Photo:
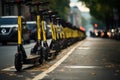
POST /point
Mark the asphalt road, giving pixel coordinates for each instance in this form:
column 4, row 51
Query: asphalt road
column 90, row 59
column 7, row 53
column 95, row 59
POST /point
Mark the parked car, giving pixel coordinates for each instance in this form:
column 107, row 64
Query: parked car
column 33, row 29
column 9, row 30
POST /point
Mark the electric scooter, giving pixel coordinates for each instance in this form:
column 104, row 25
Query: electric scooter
column 35, row 55
column 54, row 46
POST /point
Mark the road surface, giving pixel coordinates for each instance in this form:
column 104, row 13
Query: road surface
column 90, row 59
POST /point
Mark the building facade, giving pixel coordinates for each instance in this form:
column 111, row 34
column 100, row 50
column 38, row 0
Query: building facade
column 0, row 7
column 8, row 9
column 75, row 16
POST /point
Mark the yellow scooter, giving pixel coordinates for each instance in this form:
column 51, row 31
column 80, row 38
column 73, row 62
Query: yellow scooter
column 54, row 46
column 45, row 48
column 35, row 55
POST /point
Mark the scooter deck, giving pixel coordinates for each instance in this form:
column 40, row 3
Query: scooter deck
column 52, row 51
column 33, row 57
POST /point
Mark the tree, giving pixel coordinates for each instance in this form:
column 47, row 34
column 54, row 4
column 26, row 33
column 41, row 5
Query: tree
column 60, row 6
column 104, row 10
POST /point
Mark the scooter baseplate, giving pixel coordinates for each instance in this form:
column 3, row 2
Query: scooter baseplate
column 33, row 57
column 52, row 51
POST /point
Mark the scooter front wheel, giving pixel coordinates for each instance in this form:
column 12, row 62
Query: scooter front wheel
column 46, row 51
column 41, row 56
column 18, row 62
column 41, row 59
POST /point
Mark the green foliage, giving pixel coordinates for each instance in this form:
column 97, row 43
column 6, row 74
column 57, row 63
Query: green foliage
column 98, row 22
column 101, row 9
column 60, row 6
column 107, row 11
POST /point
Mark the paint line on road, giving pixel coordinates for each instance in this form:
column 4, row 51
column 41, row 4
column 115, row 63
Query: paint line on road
column 43, row 74
column 83, row 47
column 83, row 67
column 12, row 68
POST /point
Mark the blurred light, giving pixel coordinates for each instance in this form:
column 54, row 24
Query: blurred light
column 102, row 33
column 112, row 30
column 96, row 32
column 95, row 25
column 109, row 34
column 82, row 28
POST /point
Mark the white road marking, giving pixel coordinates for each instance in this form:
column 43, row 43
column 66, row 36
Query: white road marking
column 82, row 67
column 43, row 74
column 9, row 69
column 12, row 68
column 84, row 47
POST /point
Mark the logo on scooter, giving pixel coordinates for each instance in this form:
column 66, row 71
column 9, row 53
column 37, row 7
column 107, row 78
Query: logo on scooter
column 3, row 31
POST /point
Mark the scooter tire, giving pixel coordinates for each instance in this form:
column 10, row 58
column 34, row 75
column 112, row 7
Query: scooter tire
column 41, row 60
column 18, row 62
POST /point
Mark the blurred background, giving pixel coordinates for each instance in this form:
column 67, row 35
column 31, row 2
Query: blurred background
column 93, row 15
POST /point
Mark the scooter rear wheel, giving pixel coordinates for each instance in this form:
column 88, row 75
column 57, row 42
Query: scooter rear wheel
column 41, row 56
column 41, row 60
column 18, row 62
column 46, row 51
